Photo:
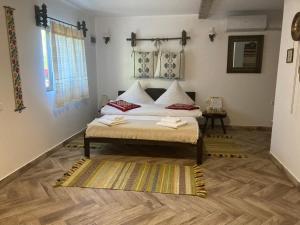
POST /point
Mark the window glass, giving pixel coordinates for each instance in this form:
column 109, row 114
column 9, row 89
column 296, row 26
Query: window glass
column 46, row 60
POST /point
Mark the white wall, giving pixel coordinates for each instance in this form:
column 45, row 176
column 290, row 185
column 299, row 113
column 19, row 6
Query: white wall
column 24, row 136
column 285, row 144
column 248, row 97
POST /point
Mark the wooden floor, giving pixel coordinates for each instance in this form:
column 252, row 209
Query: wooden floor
column 240, row 191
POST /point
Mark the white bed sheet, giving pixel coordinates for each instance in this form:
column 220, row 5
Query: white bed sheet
column 151, row 110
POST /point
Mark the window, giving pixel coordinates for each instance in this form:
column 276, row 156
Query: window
column 48, row 74
column 68, row 60
column 64, row 59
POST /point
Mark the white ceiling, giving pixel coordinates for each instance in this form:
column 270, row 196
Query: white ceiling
column 172, row 7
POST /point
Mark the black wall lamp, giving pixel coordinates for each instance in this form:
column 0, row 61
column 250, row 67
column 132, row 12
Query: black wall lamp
column 106, row 36
column 106, row 39
column 212, row 34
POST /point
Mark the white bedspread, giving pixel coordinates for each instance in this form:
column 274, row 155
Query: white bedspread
column 145, row 128
column 151, row 110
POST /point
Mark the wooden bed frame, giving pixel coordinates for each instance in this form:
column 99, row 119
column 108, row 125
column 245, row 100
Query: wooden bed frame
column 154, row 93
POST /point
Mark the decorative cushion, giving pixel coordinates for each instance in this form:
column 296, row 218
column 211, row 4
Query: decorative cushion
column 214, row 105
column 123, row 105
column 170, row 65
column 174, row 95
column 143, row 64
column 182, row 107
column 136, row 94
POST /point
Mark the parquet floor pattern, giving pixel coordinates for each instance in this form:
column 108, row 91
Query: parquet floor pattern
column 240, row 191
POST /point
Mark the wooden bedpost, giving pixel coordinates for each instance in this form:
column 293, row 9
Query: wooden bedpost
column 199, row 146
column 199, row 150
column 86, row 147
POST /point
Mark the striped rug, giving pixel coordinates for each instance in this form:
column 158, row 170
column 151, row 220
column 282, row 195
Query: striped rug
column 132, row 176
column 223, row 146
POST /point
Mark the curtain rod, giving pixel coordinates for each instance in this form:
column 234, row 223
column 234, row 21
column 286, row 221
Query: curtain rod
column 41, row 19
column 183, row 39
column 8, row 7
column 60, row 21
column 158, row 39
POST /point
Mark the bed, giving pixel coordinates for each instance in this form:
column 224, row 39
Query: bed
column 141, row 128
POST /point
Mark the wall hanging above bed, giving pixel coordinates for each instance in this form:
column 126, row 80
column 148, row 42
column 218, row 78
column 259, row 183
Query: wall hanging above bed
column 170, row 65
column 159, row 64
column 144, row 64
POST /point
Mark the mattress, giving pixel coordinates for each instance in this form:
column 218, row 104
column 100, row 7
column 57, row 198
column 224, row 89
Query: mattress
column 145, row 128
column 151, row 110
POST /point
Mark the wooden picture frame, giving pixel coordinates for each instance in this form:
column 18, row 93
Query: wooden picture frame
column 290, row 55
column 255, row 57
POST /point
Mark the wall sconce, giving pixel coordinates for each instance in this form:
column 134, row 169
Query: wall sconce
column 106, row 39
column 212, row 34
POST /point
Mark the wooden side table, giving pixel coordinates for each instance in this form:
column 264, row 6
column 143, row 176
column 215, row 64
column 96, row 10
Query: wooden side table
column 213, row 116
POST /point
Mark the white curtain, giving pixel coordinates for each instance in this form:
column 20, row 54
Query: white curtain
column 69, row 64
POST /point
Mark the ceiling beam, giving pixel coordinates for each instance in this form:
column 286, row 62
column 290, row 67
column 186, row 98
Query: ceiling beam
column 205, row 7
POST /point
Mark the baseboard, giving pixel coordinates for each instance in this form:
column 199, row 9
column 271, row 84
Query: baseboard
column 9, row 178
column 290, row 176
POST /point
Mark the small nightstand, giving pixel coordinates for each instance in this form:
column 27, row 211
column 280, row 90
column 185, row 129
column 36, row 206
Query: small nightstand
column 214, row 115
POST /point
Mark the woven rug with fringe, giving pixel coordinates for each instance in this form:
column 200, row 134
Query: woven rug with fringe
column 134, row 176
column 223, row 146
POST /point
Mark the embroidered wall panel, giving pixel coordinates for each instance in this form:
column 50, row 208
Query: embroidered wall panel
column 170, row 65
column 143, row 64
column 14, row 60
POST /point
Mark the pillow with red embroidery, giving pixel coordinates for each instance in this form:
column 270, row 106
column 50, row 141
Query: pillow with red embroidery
column 123, row 105
column 182, row 107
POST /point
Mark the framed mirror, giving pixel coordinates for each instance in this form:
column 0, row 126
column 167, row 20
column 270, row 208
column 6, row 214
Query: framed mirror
column 245, row 54
column 295, row 30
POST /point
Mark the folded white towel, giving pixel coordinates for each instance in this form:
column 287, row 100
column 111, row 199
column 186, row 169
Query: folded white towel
column 172, row 125
column 110, row 122
column 170, row 119
column 113, row 117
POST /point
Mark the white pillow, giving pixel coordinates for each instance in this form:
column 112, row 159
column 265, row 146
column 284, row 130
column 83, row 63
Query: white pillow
column 136, row 94
column 174, row 95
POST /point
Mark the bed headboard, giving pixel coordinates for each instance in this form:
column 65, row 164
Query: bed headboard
column 155, row 93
